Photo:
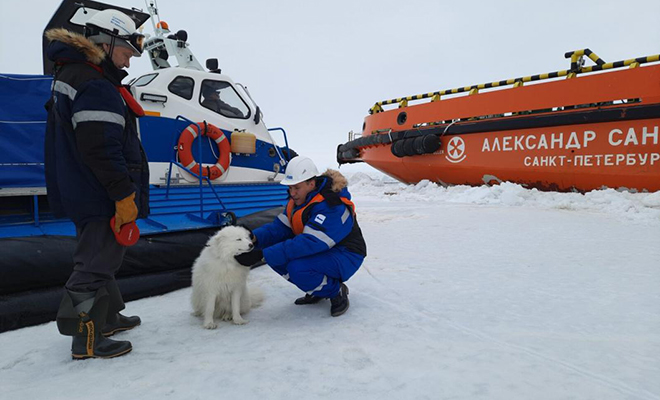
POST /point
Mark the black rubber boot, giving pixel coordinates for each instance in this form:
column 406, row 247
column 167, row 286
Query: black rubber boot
column 83, row 316
column 118, row 323
column 339, row 303
column 307, row 299
column 115, row 321
column 95, row 345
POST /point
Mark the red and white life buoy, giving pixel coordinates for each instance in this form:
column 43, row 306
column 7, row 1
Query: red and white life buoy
column 186, row 158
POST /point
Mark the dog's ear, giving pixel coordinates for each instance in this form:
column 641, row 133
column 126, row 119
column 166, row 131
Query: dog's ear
column 247, row 229
column 222, row 228
column 244, row 227
column 251, row 235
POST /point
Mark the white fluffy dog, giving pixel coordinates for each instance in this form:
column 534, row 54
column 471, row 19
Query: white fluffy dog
column 219, row 282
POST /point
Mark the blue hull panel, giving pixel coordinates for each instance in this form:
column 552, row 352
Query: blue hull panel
column 178, row 210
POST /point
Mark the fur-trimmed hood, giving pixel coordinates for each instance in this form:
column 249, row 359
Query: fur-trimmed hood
column 339, row 181
column 81, row 44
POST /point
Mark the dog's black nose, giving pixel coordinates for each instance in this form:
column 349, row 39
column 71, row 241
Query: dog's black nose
column 251, row 246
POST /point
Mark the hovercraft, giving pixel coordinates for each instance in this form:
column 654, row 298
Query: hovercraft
column 211, row 163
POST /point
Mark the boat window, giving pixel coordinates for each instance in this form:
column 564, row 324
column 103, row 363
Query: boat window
column 182, row 86
column 222, row 98
column 144, row 80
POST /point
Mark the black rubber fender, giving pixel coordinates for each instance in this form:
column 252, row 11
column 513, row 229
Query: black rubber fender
column 397, row 148
column 430, row 143
column 409, row 147
column 418, row 145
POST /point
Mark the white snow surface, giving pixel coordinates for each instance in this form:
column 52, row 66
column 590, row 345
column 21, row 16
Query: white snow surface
column 467, row 293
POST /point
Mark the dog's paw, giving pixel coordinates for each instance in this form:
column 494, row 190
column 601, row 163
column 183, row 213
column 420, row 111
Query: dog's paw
column 240, row 321
column 196, row 313
column 210, row 325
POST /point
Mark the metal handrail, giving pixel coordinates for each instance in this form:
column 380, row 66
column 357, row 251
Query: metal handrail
column 286, row 142
column 200, row 175
column 576, row 68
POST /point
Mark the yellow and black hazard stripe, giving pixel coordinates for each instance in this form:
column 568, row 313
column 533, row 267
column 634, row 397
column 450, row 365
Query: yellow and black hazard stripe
column 576, row 55
column 575, row 69
column 623, row 63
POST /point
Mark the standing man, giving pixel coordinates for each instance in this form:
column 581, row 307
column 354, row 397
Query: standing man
column 316, row 244
column 95, row 169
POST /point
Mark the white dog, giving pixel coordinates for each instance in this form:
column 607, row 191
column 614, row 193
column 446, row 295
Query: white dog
column 219, row 282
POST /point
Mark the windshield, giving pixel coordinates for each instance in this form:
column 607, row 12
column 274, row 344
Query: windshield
column 221, row 97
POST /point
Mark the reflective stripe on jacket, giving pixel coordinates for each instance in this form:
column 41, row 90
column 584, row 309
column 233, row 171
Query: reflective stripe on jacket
column 326, row 220
column 93, row 155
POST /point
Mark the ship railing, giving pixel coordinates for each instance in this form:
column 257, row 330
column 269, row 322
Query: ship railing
column 577, row 67
column 200, row 176
column 286, row 143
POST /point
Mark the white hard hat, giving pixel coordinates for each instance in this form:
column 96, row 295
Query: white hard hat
column 109, row 23
column 298, row 170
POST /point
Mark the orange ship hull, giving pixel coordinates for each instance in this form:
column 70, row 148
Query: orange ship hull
column 585, row 133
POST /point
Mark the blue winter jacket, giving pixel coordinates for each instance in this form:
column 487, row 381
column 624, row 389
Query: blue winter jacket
column 327, row 225
column 93, row 156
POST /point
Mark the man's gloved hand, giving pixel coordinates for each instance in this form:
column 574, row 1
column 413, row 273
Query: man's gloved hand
column 250, row 258
column 125, row 211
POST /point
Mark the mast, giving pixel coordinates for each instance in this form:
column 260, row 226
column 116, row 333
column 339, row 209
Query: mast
column 165, row 44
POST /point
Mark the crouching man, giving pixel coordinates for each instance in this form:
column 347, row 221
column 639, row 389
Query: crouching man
column 316, row 244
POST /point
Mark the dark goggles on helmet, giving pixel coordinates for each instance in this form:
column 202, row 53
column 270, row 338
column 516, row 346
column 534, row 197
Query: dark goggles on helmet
column 136, row 40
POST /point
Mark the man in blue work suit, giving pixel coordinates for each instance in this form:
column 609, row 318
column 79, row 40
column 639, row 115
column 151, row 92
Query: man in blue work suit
column 316, row 243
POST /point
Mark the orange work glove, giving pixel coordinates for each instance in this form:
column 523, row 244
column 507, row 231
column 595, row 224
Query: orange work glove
column 125, row 211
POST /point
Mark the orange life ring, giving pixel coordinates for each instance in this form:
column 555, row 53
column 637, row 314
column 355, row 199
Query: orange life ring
column 186, row 158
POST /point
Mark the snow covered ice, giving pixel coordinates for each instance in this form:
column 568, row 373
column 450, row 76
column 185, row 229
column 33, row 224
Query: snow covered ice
column 467, row 293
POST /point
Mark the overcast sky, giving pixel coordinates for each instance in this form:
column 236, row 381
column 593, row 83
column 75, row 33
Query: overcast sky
column 315, row 68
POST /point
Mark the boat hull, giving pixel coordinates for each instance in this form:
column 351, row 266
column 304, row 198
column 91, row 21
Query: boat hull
column 35, row 269
column 571, row 157
column 579, row 134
